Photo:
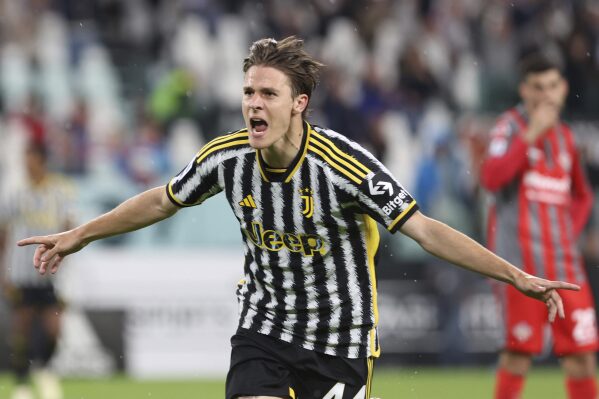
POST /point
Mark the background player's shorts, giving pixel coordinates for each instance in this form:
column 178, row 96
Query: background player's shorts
column 34, row 296
column 263, row 365
column 525, row 319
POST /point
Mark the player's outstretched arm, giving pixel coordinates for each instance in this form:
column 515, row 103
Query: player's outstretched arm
column 137, row 212
column 451, row 245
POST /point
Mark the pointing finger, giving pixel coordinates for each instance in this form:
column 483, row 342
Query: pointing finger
column 35, row 240
column 561, row 285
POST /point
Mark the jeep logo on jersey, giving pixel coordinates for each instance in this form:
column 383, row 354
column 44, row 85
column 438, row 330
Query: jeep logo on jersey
column 380, row 187
column 273, row 240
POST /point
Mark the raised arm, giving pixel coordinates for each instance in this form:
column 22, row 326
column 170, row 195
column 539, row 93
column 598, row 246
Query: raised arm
column 449, row 244
column 507, row 157
column 137, row 212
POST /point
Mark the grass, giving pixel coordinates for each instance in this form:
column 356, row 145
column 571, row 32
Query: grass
column 389, row 383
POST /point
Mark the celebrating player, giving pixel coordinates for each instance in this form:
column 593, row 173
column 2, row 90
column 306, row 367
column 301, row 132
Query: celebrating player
column 307, row 200
column 542, row 202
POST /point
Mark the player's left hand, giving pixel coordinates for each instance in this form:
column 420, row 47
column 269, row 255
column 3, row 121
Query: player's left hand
column 546, row 291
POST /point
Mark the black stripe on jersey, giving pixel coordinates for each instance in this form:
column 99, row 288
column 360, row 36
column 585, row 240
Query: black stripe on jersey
column 221, row 143
column 361, row 169
column 342, row 278
column 301, row 297
column 325, row 310
column 295, row 258
column 266, row 258
column 361, row 269
column 229, row 176
column 253, row 255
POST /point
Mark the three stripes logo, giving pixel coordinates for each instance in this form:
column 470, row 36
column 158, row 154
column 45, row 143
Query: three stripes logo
column 248, row 201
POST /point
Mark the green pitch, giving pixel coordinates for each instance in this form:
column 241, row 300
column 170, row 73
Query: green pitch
column 401, row 383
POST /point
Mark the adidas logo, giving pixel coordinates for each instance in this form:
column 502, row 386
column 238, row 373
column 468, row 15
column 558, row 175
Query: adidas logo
column 248, row 201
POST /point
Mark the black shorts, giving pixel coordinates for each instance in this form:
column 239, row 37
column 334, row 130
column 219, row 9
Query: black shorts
column 34, row 296
column 265, row 366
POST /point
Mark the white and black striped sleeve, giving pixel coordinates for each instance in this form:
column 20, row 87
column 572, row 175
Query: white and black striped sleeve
column 200, row 179
column 196, row 183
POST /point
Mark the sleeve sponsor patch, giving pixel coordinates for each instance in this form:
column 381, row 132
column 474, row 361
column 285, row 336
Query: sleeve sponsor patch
column 390, row 198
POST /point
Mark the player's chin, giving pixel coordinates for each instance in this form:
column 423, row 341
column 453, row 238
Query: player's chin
column 259, row 142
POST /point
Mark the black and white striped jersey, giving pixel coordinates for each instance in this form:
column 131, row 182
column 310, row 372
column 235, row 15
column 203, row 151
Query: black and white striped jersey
column 309, row 233
column 33, row 210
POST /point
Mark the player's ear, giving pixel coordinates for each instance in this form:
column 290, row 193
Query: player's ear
column 300, row 103
column 522, row 90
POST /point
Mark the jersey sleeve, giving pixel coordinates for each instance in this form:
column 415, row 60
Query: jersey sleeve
column 196, row 183
column 385, row 199
column 506, row 156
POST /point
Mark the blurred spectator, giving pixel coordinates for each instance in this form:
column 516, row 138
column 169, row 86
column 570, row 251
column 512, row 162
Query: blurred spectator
column 70, row 142
column 41, row 204
column 417, row 85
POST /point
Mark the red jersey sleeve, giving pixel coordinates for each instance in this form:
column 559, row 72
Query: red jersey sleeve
column 506, row 156
column 582, row 197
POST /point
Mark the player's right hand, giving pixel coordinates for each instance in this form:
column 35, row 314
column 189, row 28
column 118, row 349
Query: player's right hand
column 545, row 291
column 541, row 119
column 52, row 249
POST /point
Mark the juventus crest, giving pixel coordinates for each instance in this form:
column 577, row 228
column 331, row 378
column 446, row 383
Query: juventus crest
column 308, row 202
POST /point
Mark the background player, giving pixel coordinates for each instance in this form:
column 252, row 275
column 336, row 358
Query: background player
column 542, row 202
column 307, row 200
column 40, row 205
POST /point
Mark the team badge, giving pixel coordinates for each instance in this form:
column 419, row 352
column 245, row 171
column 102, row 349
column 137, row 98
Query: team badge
column 522, row 331
column 308, row 202
column 565, row 161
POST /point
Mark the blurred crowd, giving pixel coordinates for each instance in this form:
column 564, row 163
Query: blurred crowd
column 125, row 92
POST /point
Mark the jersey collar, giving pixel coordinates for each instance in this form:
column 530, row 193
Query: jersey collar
column 285, row 175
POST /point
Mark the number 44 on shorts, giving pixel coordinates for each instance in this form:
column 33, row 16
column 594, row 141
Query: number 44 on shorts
column 337, row 392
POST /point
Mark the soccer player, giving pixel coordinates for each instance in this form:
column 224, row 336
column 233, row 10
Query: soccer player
column 542, row 202
column 40, row 206
column 307, row 200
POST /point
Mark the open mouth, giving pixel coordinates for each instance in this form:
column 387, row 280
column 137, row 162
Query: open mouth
column 258, row 125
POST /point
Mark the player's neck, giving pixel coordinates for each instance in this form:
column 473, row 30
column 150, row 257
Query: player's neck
column 282, row 153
